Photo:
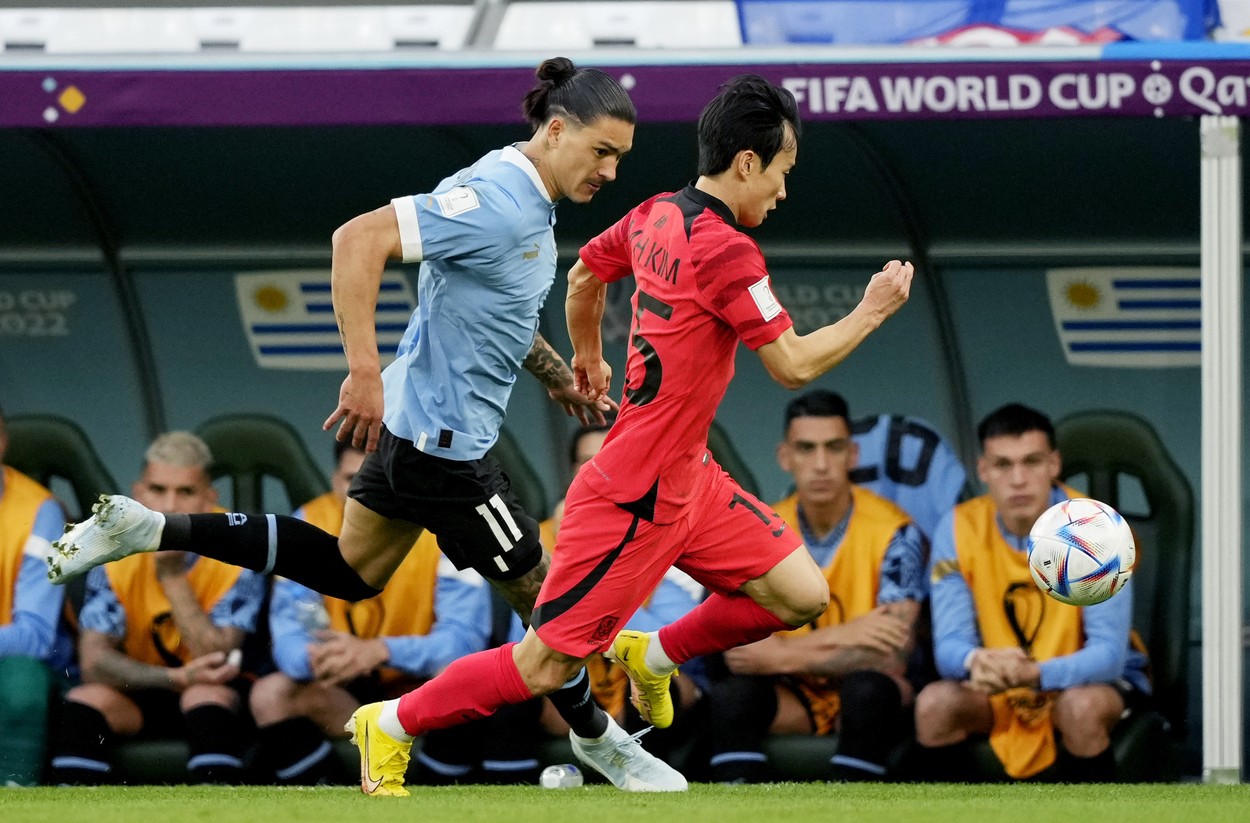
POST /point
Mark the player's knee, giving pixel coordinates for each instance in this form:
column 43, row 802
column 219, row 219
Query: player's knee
column 1086, row 712
column 935, row 710
column 556, row 673
column 203, row 694
column 271, row 697
column 804, row 603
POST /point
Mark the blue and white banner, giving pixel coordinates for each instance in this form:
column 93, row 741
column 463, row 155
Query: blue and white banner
column 1127, row 317
column 288, row 317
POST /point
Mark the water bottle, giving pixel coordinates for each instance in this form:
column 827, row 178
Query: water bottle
column 563, row 776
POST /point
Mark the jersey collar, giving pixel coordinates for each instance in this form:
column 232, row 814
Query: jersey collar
column 708, row 201
column 513, row 155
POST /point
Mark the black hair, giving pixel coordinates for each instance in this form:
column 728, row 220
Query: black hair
column 340, row 448
column 582, row 431
column 1013, row 420
column 583, row 95
column 749, row 113
column 818, row 403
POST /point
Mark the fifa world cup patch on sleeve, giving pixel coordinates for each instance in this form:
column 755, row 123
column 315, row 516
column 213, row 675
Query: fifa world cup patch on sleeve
column 765, row 301
column 457, row 201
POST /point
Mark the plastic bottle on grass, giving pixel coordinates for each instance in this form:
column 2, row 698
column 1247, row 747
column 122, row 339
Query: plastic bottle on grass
column 563, row 776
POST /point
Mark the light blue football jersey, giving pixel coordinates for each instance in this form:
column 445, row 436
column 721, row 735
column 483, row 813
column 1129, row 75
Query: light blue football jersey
column 906, row 460
column 488, row 257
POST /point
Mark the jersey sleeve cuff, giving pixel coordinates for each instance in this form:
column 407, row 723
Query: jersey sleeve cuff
column 409, row 228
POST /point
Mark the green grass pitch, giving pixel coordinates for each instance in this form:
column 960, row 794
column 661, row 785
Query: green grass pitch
column 771, row 803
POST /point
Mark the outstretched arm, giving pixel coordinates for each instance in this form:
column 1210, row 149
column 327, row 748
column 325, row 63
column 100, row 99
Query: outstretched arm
column 362, row 246
column 794, row 360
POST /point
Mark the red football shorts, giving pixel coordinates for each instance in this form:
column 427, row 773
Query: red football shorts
column 607, row 561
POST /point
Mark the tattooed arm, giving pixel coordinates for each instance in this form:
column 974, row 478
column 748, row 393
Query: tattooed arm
column 549, row 367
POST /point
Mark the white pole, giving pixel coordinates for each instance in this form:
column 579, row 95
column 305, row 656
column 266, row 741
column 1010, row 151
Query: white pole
column 1221, row 450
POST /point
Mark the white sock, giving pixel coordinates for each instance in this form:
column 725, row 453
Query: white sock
column 655, row 658
column 388, row 721
column 155, row 542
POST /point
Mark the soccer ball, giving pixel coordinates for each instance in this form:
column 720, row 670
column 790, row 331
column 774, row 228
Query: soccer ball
column 1081, row 551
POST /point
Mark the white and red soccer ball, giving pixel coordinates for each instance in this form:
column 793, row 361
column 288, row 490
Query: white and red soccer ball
column 1081, row 551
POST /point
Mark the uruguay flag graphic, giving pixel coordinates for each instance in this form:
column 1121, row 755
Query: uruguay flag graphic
column 288, row 317
column 1127, row 317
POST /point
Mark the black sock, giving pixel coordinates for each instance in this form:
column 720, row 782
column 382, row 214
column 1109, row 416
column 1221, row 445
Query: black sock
column 1097, row 769
column 740, row 710
column 273, row 543
column 943, row 764
column 294, row 752
column 870, row 725
column 215, row 738
column 578, row 707
column 509, row 753
column 82, row 751
column 447, row 756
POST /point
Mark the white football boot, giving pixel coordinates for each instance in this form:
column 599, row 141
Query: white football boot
column 620, row 758
column 118, row 527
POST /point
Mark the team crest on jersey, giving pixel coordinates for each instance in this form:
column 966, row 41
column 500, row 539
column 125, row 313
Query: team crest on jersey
column 457, row 201
column 765, row 301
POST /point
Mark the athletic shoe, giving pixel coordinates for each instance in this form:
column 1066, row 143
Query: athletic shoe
column 118, row 527
column 620, row 758
column 651, row 690
column 383, row 759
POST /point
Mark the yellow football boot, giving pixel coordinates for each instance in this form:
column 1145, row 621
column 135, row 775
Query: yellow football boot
column 651, row 690
column 383, row 759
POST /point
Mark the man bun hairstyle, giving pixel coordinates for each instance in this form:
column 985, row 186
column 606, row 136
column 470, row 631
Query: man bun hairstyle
column 582, row 95
column 749, row 113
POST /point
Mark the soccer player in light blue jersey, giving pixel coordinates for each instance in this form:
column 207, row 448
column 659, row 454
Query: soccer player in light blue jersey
column 485, row 240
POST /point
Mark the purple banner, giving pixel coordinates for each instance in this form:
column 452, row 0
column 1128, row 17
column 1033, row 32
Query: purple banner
column 427, row 96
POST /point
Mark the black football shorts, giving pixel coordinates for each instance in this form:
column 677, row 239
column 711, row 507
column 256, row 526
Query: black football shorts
column 468, row 504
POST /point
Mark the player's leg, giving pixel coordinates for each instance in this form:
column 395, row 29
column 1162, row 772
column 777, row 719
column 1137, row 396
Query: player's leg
column 947, row 714
column 741, row 709
column 216, row 733
column 1084, row 717
column 743, row 552
column 91, row 719
column 293, row 723
column 481, row 525
column 470, row 688
column 594, row 584
column 355, row 567
column 870, row 724
column 24, row 701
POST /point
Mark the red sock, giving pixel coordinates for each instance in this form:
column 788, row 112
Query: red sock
column 718, row 623
column 470, row 688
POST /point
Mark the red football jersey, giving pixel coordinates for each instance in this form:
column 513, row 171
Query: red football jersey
column 701, row 286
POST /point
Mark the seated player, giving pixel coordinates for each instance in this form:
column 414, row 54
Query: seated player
column 846, row 671
column 1046, row 682
column 160, row 640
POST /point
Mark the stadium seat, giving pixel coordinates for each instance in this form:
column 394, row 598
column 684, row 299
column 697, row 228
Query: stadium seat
column 247, row 448
column 1112, row 450
column 48, row 447
column 595, row 24
column 723, row 450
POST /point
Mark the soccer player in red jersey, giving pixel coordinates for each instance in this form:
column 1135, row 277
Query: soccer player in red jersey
column 653, row 497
